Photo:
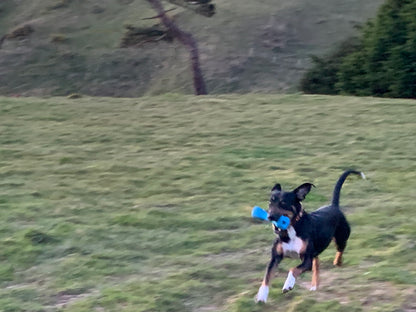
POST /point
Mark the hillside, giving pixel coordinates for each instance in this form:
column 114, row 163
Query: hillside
column 144, row 204
column 74, row 46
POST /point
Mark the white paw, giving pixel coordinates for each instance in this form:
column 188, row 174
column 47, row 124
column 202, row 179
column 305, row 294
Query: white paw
column 262, row 294
column 313, row 288
column 290, row 282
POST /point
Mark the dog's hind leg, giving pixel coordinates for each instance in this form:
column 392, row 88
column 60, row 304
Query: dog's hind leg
column 315, row 274
column 342, row 233
column 338, row 258
column 276, row 257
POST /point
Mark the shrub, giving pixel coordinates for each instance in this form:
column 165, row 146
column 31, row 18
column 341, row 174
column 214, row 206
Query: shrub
column 381, row 63
column 322, row 77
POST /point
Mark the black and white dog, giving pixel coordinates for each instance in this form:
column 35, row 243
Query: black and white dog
column 307, row 235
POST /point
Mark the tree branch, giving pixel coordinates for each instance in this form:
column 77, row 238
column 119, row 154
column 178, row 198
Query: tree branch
column 202, row 7
column 158, row 16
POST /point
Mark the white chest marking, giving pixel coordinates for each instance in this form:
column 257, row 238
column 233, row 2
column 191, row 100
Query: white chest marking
column 292, row 248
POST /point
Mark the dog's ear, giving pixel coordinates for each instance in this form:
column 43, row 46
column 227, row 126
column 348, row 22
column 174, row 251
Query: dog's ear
column 276, row 188
column 303, row 190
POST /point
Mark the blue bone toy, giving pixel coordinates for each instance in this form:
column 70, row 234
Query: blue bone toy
column 262, row 214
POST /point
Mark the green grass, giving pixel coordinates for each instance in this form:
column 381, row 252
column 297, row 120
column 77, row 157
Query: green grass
column 144, row 204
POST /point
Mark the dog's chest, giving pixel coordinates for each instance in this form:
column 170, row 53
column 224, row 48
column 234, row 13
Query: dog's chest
column 295, row 246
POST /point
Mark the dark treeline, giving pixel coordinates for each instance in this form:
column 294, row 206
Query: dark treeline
column 381, row 61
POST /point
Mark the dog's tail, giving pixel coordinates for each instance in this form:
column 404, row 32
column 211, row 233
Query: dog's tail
column 341, row 180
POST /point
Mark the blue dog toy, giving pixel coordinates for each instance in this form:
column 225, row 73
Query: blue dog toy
column 259, row 213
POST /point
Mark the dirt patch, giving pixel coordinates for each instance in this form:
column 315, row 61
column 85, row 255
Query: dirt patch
column 64, row 299
column 373, row 293
column 207, row 309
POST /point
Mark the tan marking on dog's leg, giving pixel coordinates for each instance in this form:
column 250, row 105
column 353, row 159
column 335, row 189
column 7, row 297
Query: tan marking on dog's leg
column 338, row 258
column 263, row 291
column 270, row 271
column 296, row 272
column 279, row 249
column 315, row 274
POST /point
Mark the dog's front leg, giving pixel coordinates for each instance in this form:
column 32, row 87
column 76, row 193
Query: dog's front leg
column 276, row 257
column 306, row 265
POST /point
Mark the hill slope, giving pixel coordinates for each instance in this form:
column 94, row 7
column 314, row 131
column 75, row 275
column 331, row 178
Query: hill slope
column 246, row 46
column 144, row 204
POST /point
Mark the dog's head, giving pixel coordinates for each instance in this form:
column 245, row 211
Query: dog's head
column 287, row 203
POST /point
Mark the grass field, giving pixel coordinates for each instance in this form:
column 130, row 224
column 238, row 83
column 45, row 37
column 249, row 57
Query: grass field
column 144, row 204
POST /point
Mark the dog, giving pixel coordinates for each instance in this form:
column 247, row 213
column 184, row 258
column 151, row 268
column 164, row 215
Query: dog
column 307, row 235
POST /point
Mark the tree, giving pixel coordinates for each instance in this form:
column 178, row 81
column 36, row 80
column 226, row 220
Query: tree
column 322, row 77
column 383, row 62
column 186, row 38
column 202, row 7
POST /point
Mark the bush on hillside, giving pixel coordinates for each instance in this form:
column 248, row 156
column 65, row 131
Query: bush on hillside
column 322, row 77
column 381, row 63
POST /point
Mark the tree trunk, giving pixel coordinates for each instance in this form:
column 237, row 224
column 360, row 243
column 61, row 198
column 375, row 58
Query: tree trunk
column 187, row 40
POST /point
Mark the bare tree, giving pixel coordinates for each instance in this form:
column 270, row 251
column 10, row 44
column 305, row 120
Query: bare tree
column 185, row 38
column 202, row 7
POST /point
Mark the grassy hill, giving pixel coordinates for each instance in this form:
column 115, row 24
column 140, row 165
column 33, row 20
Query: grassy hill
column 144, row 204
column 259, row 46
